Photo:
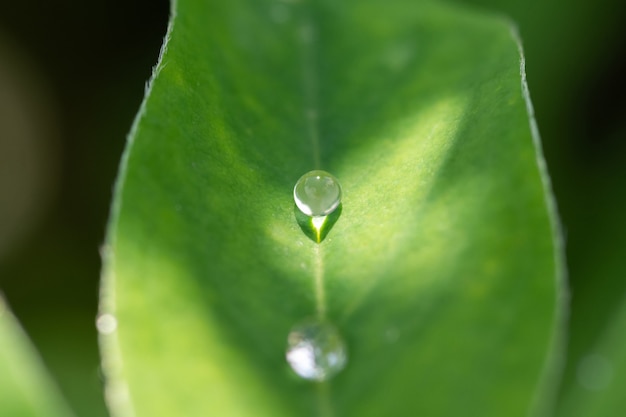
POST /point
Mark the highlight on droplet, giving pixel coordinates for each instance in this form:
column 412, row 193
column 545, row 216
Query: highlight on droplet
column 318, row 222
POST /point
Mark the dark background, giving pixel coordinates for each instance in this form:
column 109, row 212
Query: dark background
column 72, row 76
column 81, row 66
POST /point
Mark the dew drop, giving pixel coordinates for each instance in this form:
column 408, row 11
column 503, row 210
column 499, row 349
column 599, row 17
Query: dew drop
column 315, row 350
column 317, row 193
column 106, row 323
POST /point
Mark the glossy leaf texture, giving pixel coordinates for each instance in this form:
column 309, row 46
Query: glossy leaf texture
column 26, row 390
column 442, row 271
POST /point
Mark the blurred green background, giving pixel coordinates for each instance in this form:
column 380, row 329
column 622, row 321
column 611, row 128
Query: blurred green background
column 72, row 76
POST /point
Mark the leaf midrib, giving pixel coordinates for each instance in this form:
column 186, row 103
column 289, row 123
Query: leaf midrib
column 308, row 37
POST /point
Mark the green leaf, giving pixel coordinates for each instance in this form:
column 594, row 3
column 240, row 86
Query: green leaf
column 442, row 270
column 25, row 388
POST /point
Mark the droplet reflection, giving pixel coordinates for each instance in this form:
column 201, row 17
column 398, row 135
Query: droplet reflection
column 318, row 222
column 315, row 350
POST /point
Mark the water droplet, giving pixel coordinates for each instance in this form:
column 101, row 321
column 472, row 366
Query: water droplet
column 317, row 193
column 106, row 323
column 315, row 350
column 105, row 251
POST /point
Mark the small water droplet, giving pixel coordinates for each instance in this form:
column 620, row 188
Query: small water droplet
column 315, row 350
column 106, row 323
column 105, row 251
column 317, row 193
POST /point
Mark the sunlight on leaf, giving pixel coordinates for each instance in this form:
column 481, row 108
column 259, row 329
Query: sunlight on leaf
column 442, row 272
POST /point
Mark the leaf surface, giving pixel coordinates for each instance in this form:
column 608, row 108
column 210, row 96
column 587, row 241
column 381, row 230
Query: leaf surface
column 442, row 270
column 25, row 388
